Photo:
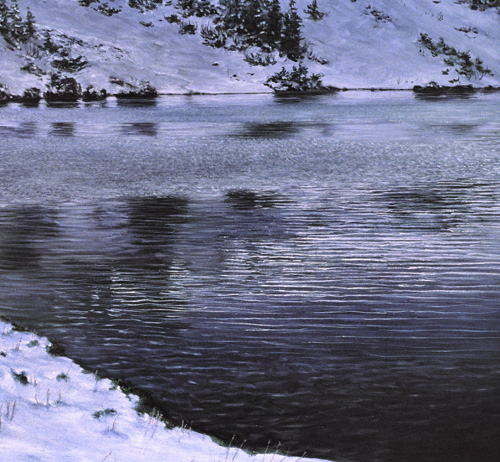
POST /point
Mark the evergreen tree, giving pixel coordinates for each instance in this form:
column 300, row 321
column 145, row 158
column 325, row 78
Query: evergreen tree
column 253, row 20
column 484, row 4
column 291, row 40
column 313, row 12
column 15, row 21
column 49, row 44
column 297, row 80
column 186, row 5
column 274, row 23
column 233, row 18
column 4, row 13
column 29, row 25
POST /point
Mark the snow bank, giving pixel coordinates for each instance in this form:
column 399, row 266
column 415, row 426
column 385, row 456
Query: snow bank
column 52, row 410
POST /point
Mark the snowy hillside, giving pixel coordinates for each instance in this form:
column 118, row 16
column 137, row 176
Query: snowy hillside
column 357, row 44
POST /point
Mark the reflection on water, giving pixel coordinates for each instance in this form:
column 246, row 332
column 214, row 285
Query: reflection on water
column 296, row 98
column 24, row 129
column 437, row 207
column 456, row 129
column 62, row 104
column 280, row 129
column 63, row 129
column 445, row 97
column 30, row 104
column 102, row 104
column 243, row 200
column 336, row 294
column 342, row 116
column 140, row 128
column 136, row 102
column 23, row 233
column 462, row 129
column 152, row 223
column 271, row 129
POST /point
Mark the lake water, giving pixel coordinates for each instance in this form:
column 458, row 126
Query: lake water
column 321, row 273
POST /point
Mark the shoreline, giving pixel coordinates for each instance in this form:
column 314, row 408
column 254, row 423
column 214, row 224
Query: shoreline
column 52, row 409
column 418, row 91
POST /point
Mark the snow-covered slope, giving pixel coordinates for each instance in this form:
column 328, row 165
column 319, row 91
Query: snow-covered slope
column 120, row 46
column 366, row 52
column 365, row 43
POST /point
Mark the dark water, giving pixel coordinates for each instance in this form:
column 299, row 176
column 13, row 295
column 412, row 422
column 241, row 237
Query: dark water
column 321, row 273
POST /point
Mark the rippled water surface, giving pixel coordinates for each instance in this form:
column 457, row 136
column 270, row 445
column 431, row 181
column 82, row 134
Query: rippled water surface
column 321, row 273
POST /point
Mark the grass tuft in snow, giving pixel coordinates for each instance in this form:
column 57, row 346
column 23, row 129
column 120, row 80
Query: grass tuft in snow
column 9, row 412
column 62, row 377
column 103, row 413
column 33, row 343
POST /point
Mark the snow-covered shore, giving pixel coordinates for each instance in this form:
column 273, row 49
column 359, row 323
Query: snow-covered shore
column 52, row 410
column 358, row 44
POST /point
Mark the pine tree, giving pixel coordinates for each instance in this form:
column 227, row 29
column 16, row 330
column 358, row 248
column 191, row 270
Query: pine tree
column 313, row 12
column 253, row 19
column 233, row 18
column 49, row 45
column 15, row 21
column 291, row 40
column 186, row 5
column 4, row 12
column 29, row 25
column 274, row 23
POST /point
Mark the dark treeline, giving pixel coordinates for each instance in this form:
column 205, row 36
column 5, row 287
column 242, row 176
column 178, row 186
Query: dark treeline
column 262, row 23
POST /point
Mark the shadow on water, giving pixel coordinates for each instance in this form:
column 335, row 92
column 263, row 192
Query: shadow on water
column 62, row 104
column 269, row 130
column 23, row 130
column 300, row 98
column 63, row 129
column 30, row 104
column 136, row 102
column 444, row 97
column 152, row 222
column 24, row 233
column 453, row 129
column 140, row 129
column 247, row 200
column 440, row 207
